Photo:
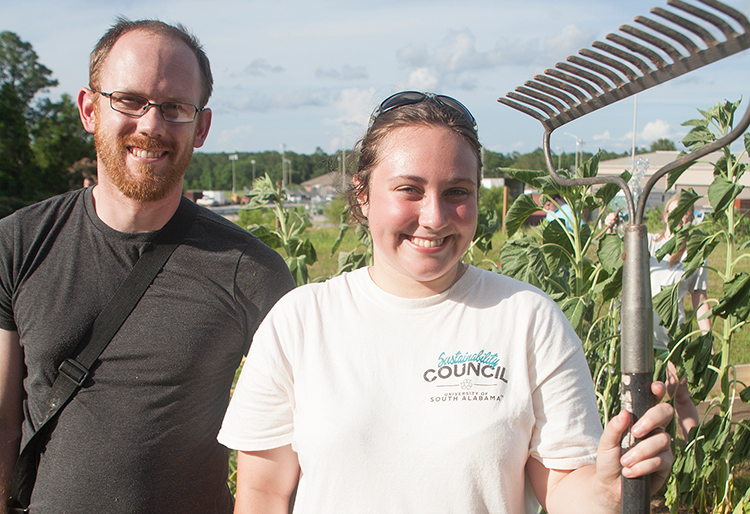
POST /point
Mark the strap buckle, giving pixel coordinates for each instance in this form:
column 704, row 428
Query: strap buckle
column 74, row 371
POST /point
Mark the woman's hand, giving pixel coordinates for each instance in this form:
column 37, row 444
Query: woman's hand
column 652, row 455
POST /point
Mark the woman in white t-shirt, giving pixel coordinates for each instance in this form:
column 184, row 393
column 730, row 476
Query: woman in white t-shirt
column 667, row 272
column 422, row 384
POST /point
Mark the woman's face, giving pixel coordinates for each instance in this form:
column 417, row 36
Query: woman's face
column 422, row 209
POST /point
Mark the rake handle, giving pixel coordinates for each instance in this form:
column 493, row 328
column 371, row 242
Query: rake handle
column 637, row 362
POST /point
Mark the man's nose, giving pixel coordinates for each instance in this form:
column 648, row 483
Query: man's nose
column 152, row 122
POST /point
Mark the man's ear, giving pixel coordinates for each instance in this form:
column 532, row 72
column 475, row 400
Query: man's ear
column 204, row 123
column 86, row 109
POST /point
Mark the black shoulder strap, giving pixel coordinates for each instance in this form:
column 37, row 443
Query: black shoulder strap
column 74, row 370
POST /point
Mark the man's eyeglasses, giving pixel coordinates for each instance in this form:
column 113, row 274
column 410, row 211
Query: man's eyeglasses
column 137, row 106
column 414, row 97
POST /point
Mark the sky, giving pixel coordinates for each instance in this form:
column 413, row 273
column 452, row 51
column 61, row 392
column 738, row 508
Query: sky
column 303, row 74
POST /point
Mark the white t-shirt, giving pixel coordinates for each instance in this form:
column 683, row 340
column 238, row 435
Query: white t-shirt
column 416, row 405
column 662, row 276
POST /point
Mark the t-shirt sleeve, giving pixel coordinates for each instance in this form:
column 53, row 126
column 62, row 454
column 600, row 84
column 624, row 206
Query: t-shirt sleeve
column 567, row 428
column 6, row 275
column 261, row 412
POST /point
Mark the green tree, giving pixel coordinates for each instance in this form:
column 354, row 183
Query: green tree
column 58, row 141
column 15, row 152
column 662, row 144
column 19, row 67
column 39, row 139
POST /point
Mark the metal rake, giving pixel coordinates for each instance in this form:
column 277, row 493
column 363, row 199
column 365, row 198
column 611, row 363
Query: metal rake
column 681, row 39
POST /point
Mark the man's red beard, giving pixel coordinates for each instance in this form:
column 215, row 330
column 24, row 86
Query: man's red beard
column 140, row 182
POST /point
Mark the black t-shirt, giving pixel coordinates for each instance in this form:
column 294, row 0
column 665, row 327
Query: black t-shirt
column 140, row 436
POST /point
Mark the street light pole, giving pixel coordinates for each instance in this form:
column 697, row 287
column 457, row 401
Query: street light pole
column 253, row 163
column 234, row 158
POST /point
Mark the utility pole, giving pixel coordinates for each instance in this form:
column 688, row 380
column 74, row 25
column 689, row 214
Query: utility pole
column 234, row 158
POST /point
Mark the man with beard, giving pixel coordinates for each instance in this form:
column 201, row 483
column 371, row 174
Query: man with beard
column 140, row 435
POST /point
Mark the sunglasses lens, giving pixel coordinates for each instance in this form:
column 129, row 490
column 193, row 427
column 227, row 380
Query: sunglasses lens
column 401, row 99
column 414, row 97
column 455, row 104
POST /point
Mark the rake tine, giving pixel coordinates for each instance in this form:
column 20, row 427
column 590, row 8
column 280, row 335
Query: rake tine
column 522, row 108
column 533, row 93
column 533, row 102
column 626, row 56
column 634, row 60
column 729, row 11
column 686, row 24
column 576, row 81
column 728, row 31
column 638, row 48
column 551, row 91
column 616, row 79
column 585, row 75
column 612, row 63
column 673, row 53
column 562, row 85
column 681, row 38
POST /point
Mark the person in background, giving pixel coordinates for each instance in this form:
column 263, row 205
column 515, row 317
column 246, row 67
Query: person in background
column 667, row 272
column 140, row 435
column 558, row 209
column 420, row 383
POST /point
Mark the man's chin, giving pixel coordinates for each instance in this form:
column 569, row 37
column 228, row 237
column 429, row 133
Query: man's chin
column 149, row 189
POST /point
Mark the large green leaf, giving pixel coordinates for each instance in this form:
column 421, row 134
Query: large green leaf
column 676, row 173
column 698, row 137
column 524, row 261
column 721, row 194
column 685, row 203
column 666, row 304
column 610, row 252
column 557, row 244
column 262, row 232
column 519, row 211
column 699, row 247
column 530, row 177
column 612, row 287
column 578, row 310
column 298, row 268
column 736, row 299
column 608, row 192
column 487, row 224
column 590, row 167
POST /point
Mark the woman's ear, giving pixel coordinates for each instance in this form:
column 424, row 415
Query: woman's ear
column 362, row 199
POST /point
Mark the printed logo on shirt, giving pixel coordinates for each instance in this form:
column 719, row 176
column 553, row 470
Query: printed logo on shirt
column 467, row 377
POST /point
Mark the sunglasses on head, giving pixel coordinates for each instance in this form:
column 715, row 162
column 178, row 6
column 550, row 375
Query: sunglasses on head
column 414, row 97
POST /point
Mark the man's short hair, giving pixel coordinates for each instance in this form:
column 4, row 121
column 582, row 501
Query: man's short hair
column 123, row 25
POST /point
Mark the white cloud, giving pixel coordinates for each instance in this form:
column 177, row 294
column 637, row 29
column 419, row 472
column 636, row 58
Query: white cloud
column 260, row 68
column 657, row 129
column 423, row 79
column 346, row 73
column 235, row 138
column 456, row 56
column 354, row 107
column 285, row 100
column 569, row 41
column 606, row 136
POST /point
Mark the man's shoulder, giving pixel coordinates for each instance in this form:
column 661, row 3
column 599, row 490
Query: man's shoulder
column 215, row 233
column 56, row 203
column 44, row 214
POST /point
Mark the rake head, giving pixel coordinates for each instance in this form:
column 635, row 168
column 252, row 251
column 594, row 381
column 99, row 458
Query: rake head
column 633, row 60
